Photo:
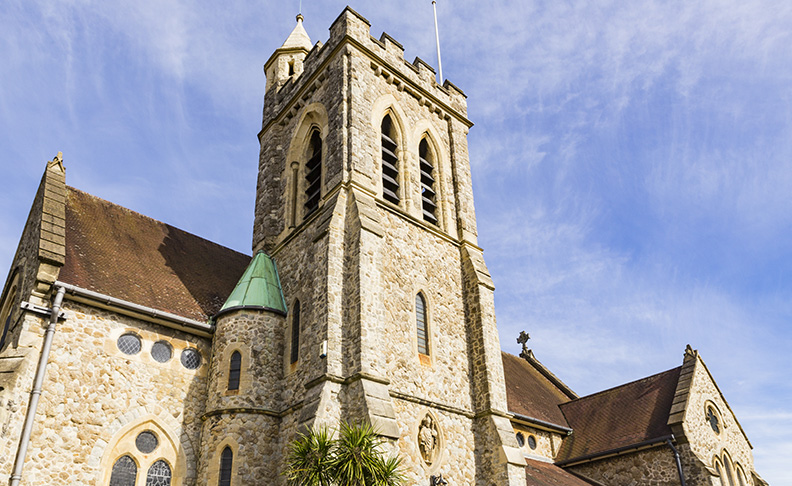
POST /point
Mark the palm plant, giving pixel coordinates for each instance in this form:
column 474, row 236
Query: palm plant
column 353, row 459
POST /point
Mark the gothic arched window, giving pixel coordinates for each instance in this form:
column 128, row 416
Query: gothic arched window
column 428, row 195
column 159, row 474
column 295, row 333
column 124, row 472
column 421, row 324
column 234, row 370
column 226, row 464
column 313, row 173
column 5, row 316
column 390, row 163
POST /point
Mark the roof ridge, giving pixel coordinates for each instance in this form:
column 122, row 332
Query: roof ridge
column 137, row 213
column 546, row 374
column 612, row 389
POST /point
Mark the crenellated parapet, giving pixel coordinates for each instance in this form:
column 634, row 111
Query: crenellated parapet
column 418, row 78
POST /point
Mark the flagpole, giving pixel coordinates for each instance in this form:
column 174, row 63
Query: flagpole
column 437, row 38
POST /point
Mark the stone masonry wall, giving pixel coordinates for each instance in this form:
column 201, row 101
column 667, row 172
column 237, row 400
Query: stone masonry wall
column 703, row 440
column 648, row 467
column 93, row 393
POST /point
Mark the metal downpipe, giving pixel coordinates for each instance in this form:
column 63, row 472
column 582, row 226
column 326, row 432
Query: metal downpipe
column 678, row 462
column 35, row 393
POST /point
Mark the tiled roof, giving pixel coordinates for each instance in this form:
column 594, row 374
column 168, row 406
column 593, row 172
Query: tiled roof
column 539, row 473
column 123, row 254
column 530, row 393
column 623, row 416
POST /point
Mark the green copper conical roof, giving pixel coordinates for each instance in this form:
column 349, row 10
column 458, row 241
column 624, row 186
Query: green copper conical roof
column 259, row 288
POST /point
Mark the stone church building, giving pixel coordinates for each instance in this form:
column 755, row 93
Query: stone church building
column 133, row 353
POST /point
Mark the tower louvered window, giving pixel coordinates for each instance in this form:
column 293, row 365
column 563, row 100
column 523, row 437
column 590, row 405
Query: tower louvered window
column 428, row 195
column 226, row 465
column 313, row 174
column 295, row 333
column 234, row 370
column 390, row 164
column 421, row 324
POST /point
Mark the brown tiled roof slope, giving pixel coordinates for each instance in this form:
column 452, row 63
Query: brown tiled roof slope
column 530, row 393
column 622, row 416
column 539, row 473
column 123, row 254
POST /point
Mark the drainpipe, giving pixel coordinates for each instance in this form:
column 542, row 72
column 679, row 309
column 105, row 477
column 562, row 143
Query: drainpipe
column 678, row 461
column 35, row 394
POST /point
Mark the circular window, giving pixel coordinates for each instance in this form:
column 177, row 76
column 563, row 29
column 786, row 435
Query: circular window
column 532, row 442
column 191, row 358
column 520, row 439
column 161, row 351
column 129, row 343
column 146, row 442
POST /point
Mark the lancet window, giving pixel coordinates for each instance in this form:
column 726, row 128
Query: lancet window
column 428, row 194
column 421, row 324
column 313, row 173
column 390, row 163
column 226, row 465
column 124, row 472
column 234, row 370
column 295, row 333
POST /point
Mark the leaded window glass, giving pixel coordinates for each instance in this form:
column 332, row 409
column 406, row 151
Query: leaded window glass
column 520, row 439
column 234, row 370
column 146, row 442
column 421, row 324
column 712, row 418
column 313, row 174
column 129, row 343
column 191, row 358
column 532, row 442
column 390, row 162
column 124, row 472
column 159, row 474
column 295, row 333
column 161, row 351
column 226, row 465
column 428, row 196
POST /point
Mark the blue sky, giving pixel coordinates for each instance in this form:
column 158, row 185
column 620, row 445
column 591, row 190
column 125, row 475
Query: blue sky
column 632, row 161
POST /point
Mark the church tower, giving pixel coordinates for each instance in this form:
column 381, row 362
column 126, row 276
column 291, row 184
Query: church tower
column 365, row 202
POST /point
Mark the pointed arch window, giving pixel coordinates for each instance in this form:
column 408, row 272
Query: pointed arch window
column 295, row 333
column 390, row 163
column 313, row 173
column 159, row 474
column 234, row 370
column 124, row 472
column 421, row 324
column 428, row 194
column 226, row 464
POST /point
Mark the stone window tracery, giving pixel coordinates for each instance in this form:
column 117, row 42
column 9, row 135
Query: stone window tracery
column 159, row 474
column 422, row 324
column 234, row 370
column 390, row 162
